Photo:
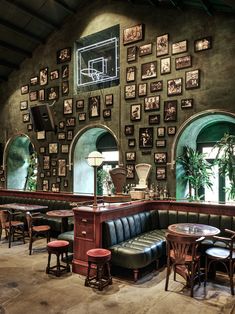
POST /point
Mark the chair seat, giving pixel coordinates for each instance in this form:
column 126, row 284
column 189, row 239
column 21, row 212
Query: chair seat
column 58, row 244
column 219, row 253
column 188, row 258
column 14, row 223
column 41, row 228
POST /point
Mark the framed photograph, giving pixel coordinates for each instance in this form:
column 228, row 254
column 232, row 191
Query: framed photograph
column 130, row 91
column 171, row 130
column 42, row 175
column 26, row 117
column 130, row 171
column 174, row 87
column 142, row 89
column 160, row 158
column 52, row 93
column 130, row 74
column 156, row 86
column 81, row 116
column 69, row 135
column 34, row 80
column 54, row 172
column 45, row 185
column 145, row 49
column 148, row 70
column 68, row 106
column 41, row 135
column 152, row 103
column 24, row 89
column 70, row 122
column 170, row 110
column 65, row 71
column 192, row 79
column 66, row 183
column 42, row 150
column 33, row 95
column 94, row 106
column 154, row 119
column 53, row 148
column 161, row 131
column 187, row 103
column 55, row 187
column 41, row 94
column 146, row 137
column 130, row 156
column 135, row 112
column 160, row 173
column 24, row 105
column 133, row 34
column 30, row 127
column 129, row 130
column 165, row 65
column 160, row 143
column 183, row 62
column 46, row 162
column 64, row 88
column 48, row 174
column 203, row 44
column 179, row 47
column 108, row 101
column 131, row 142
column 162, row 45
column 80, row 104
column 43, row 76
column 63, row 55
column 54, row 75
column 106, row 113
column 61, row 125
column 64, row 149
column 131, row 54
column 62, row 167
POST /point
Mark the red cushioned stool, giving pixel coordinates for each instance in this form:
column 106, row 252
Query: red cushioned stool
column 99, row 260
column 58, row 247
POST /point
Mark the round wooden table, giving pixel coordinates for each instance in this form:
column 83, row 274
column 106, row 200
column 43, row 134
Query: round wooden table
column 64, row 214
column 193, row 230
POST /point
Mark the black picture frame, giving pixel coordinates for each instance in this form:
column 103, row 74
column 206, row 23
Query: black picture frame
column 64, row 149
column 160, row 143
column 68, row 106
column 53, row 148
column 65, row 71
column 70, row 122
column 142, row 89
column 34, row 80
column 175, row 86
column 162, row 45
column 52, row 93
column 42, row 150
column 82, row 116
column 133, row 34
column 192, row 79
column 161, row 131
column 24, row 89
column 171, row 130
column 61, row 125
column 160, row 157
column 152, row 103
column 94, row 107
column 131, row 54
column 45, row 185
column 63, row 55
column 64, row 88
column 79, row 104
column 46, row 162
column 183, row 62
column 41, row 94
column 129, row 130
column 145, row 49
column 202, row 44
column 170, row 110
column 179, row 47
column 187, row 103
column 61, row 136
column 149, row 70
column 107, row 113
column 130, row 74
column 146, row 137
column 165, row 65
column 30, row 127
column 130, row 91
column 161, row 173
column 131, row 142
column 24, row 105
column 61, row 169
column 26, row 117
column 43, row 76
column 154, row 119
column 135, row 112
column 130, row 171
column 41, row 135
column 69, row 135
column 130, row 156
column 108, row 101
column 54, row 75
column 156, row 86
column 33, row 95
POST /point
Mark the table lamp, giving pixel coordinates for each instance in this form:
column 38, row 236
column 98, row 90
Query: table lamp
column 94, row 160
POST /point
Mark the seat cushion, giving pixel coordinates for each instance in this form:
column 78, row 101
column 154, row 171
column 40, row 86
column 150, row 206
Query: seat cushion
column 218, row 253
column 58, row 244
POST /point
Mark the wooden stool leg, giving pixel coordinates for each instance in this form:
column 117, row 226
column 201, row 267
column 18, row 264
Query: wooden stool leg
column 109, row 273
column 88, row 275
column 48, row 263
column 57, row 264
column 67, row 261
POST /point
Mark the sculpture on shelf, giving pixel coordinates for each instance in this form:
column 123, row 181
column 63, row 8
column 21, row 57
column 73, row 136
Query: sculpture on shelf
column 142, row 171
column 118, row 176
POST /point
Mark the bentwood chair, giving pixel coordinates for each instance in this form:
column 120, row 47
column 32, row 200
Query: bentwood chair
column 13, row 228
column 183, row 258
column 223, row 255
column 36, row 230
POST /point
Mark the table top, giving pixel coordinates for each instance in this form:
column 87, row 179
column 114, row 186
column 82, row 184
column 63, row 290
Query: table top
column 191, row 229
column 22, row 207
column 60, row 213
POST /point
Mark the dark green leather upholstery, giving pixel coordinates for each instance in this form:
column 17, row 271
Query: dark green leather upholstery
column 67, row 236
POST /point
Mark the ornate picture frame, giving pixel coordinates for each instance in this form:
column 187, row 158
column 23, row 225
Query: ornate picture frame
column 133, row 34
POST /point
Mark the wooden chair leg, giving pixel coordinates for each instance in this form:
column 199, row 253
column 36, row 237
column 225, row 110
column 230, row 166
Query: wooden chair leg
column 206, row 271
column 231, row 276
column 136, row 272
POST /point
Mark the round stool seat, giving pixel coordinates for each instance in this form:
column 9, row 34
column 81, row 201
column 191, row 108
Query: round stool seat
column 57, row 246
column 99, row 255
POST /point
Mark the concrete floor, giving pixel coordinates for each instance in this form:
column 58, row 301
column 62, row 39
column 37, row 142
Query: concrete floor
column 25, row 288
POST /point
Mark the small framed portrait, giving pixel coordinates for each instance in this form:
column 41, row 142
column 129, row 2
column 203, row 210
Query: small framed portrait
column 69, row 135
column 135, row 112
column 33, row 95
column 129, row 130
column 70, row 122
column 54, row 75
column 106, row 113
column 24, row 105
column 142, row 89
column 165, row 65
column 48, row 174
column 161, row 131
column 63, row 55
column 54, row 172
column 46, row 162
column 133, row 34
column 203, row 44
column 179, row 47
column 62, row 167
column 192, row 79
column 174, row 86
column 170, row 110
column 131, row 54
column 26, row 117
column 41, row 94
column 130, row 74
column 154, row 119
column 43, row 76
column 145, row 49
column 64, row 149
column 131, row 142
column 162, row 45
column 94, row 106
column 149, row 70
column 61, row 135
column 52, row 93
column 53, row 148
column 41, row 135
column 130, row 156
column 187, row 103
column 30, row 127
column 79, row 104
column 34, row 80
column 152, row 103
column 183, row 62
column 66, row 183
column 130, row 91
column 64, row 88
column 42, row 175
column 160, row 143
column 108, row 101
column 65, row 71
column 156, row 86
column 24, row 89
column 45, row 185
column 160, row 158
column 130, row 171
column 68, row 106
column 171, row 130
column 55, row 187
column 42, row 150
column 160, row 173
column 146, row 137
column 82, row 116
column 61, row 125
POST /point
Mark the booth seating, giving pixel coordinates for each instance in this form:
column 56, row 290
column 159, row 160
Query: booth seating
column 67, row 236
column 138, row 240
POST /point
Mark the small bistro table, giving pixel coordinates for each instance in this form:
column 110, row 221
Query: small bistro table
column 193, row 230
column 64, row 214
column 22, row 207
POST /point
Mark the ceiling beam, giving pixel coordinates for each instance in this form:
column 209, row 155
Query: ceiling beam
column 65, row 6
column 33, row 14
column 154, row 2
column 9, row 64
column 21, row 31
column 207, row 7
column 19, row 50
column 177, row 4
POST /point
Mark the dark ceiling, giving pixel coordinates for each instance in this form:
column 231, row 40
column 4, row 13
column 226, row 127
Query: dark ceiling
column 26, row 24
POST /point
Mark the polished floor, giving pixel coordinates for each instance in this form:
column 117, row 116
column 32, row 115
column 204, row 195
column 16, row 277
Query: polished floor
column 25, row 288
